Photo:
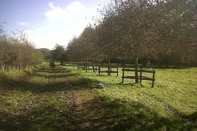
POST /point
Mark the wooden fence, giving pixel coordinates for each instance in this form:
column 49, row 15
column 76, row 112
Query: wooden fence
column 108, row 71
column 94, row 68
column 88, row 66
column 141, row 77
column 80, row 66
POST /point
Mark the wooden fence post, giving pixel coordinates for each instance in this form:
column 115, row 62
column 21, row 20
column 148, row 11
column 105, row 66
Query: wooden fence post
column 83, row 65
column 153, row 78
column 122, row 75
column 78, row 65
column 99, row 69
column 117, row 70
column 86, row 66
column 140, row 75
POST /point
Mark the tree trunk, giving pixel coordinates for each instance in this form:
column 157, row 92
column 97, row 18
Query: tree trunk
column 86, row 66
column 136, row 69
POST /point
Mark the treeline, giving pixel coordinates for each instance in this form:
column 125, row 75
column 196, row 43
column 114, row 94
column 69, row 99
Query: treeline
column 162, row 32
column 16, row 52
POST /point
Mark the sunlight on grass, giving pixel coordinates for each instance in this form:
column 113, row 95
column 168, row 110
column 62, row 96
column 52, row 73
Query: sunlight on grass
column 171, row 101
column 42, row 99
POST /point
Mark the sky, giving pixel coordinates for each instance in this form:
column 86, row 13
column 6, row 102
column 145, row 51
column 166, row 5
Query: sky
column 49, row 22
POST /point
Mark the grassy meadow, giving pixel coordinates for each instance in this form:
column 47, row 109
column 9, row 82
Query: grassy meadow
column 42, row 99
column 170, row 105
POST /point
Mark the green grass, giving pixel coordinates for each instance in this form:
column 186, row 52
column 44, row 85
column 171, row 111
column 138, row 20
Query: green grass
column 32, row 102
column 42, row 100
column 170, row 105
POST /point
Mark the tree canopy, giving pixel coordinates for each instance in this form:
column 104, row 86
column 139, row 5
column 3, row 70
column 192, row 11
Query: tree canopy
column 137, row 29
column 17, row 51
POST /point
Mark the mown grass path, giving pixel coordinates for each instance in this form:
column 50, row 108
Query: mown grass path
column 49, row 100
column 88, row 114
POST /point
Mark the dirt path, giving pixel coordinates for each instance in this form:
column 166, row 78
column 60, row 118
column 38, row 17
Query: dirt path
column 87, row 114
column 79, row 117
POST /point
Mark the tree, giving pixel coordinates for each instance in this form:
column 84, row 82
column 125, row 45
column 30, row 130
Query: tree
column 178, row 31
column 84, row 47
column 88, row 40
column 59, row 53
column 45, row 52
column 130, row 26
column 109, row 35
column 72, row 50
column 17, row 52
column 148, row 28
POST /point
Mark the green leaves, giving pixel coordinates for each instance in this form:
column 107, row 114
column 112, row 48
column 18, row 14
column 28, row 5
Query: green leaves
column 59, row 53
column 18, row 51
column 140, row 28
column 85, row 46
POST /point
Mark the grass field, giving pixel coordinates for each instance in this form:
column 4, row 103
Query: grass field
column 170, row 105
column 45, row 100
column 36, row 100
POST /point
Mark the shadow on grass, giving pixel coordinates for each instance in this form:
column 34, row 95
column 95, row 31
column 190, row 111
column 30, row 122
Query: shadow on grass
column 46, row 69
column 39, row 118
column 137, row 85
column 81, row 83
column 50, row 81
column 3, row 76
column 102, row 113
column 95, row 117
column 135, row 116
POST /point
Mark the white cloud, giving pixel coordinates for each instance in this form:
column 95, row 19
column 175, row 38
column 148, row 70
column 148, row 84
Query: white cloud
column 51, row 5
column 23, row 23
column 55, row 13
column 76, row 7
column 64, row 23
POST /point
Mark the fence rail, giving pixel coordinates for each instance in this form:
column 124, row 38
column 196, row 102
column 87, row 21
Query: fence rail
column 108, row 71
column 140, row 77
